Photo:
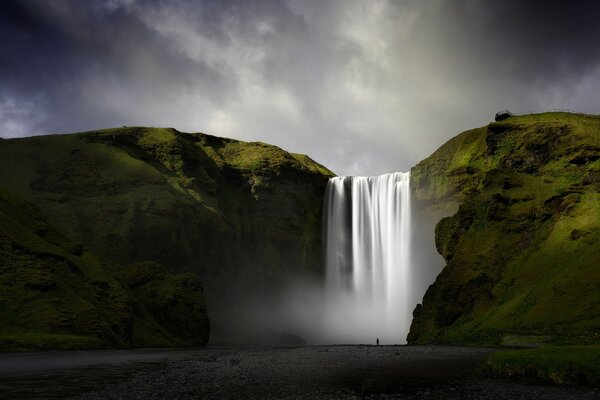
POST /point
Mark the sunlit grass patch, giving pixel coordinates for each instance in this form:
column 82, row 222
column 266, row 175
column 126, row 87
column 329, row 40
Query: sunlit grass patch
column 557, row 364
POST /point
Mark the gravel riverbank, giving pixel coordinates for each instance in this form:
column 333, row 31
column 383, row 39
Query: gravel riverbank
column 331, row 372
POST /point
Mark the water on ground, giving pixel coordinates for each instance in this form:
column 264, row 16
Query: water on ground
column 311, row 372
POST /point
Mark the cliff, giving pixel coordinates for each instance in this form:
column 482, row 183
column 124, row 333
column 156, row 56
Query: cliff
column 125, row 224
column 519, row 202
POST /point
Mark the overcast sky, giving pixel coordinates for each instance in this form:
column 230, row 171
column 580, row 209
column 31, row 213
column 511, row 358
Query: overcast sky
column 364, row 87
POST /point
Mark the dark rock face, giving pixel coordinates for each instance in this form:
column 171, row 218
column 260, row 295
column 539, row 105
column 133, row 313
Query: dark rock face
column 150, row 203
column 175, row 302
column 290, row 339
column 518, row 207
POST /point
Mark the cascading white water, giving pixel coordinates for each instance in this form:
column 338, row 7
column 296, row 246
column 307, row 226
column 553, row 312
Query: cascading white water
column 368, row 257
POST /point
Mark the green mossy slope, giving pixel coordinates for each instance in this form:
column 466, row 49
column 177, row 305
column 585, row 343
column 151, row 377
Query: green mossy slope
column 146, row 203
column 521, row 236
column 56, row 294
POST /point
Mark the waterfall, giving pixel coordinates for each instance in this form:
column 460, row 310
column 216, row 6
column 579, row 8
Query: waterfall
column 367, row 224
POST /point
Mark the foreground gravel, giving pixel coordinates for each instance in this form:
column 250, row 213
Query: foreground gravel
column 334, row 372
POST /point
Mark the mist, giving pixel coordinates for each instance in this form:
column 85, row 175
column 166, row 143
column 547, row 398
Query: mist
column 329, row 308
column 304, row 307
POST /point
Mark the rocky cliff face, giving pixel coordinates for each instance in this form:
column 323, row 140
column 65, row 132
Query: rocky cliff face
column 520, row 233
column 160, row 211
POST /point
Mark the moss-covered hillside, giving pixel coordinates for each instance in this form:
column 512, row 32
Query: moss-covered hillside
column 55, row 293
column 106, row 235
column 521, row 237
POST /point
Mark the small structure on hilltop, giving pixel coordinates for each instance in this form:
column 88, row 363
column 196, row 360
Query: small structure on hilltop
column 502, row 115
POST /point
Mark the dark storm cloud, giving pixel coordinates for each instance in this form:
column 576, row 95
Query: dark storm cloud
column 364, row 87
column 55, row 48
column 535, row 41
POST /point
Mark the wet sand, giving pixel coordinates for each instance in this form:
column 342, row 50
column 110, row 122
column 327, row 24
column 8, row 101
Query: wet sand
column 330, row 372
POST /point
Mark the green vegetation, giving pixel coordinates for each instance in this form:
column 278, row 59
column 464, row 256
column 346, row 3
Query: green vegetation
column 557, row 364
column 58, row 295
column 105, row 236
column 47, row 341
column 521, row 205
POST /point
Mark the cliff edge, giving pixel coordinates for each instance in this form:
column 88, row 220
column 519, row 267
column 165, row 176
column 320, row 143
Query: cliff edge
column 519, row 202
column 125, row 237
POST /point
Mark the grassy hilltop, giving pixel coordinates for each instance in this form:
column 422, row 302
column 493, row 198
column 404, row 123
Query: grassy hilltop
column 521, row 238
column 106, row 235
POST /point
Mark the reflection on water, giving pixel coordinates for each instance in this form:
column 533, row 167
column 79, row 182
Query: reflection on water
column 70, row 382
column 61, row 374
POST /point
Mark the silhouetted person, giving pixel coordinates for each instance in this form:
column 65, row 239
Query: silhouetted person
column 377, row 341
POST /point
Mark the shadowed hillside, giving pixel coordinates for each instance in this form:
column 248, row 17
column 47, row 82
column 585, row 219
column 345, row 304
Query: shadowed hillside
column 56, row 294
column 137, row 205
column 521, row 234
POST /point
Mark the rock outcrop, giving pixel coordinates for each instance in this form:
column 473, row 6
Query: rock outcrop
column 519, row 202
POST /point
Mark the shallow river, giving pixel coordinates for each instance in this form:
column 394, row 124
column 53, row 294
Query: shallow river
column 332, row 372
column 60, row 374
